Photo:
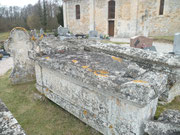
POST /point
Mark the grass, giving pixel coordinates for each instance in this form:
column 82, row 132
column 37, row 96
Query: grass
column 118, row 43
column 175, row 104
column 39, row 117
column 168, row 39
column 4, row 36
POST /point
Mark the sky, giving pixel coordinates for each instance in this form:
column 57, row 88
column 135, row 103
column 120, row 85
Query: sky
column 19, row 3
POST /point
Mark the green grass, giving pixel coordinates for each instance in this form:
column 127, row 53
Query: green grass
column 168, row 39
column 118, row 43
column 39, row 117
column 4, row 36
column 175, row 104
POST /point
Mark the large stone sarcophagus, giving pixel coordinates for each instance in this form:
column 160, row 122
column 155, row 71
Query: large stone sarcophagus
column 112, row 94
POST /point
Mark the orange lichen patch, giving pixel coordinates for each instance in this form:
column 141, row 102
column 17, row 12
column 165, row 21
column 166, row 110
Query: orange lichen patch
column 17, row 76
column 94, row 115
column 47, row 58
column 85, row 112
column 85, row 67
column 116, row 58
column 101, row 75
column 118, row 102
column 47, row 89
column 110, row 126
column 74, row 61
column 102, row 72
column 140, row 81
column 33, row 38
column 20, row 28
column 90, row 70
column 41, row 37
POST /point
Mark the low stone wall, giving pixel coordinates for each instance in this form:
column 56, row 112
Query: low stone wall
column 8, row 124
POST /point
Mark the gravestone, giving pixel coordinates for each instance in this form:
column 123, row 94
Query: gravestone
column 93, row 33
column 41, row 31
column 18, row 45
column 62, row 31
column 176, row 48
column 141, row 42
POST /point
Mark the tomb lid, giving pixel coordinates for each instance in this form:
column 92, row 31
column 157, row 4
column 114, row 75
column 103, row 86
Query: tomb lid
column 108, row 75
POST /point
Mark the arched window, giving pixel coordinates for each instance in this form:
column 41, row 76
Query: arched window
column 77, row 11
column 111, row 9
column 161, row 9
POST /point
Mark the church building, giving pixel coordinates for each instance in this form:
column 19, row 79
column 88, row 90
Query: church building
column 123, row 18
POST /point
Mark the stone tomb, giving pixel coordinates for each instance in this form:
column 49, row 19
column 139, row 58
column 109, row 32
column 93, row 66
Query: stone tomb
column 111, row 94
column 141, row 42
column 18, row 45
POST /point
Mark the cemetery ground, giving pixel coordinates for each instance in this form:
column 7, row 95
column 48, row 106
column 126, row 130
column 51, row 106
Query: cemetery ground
column 39, row 116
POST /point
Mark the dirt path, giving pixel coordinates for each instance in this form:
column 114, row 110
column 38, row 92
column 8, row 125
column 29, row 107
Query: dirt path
column 5, row 65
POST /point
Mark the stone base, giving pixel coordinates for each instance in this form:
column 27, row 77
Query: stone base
column 8, row 124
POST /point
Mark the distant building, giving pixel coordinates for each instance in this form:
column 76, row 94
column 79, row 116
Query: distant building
column 123, row 18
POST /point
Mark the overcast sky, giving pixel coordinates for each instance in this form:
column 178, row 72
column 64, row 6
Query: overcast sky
column 19, row 3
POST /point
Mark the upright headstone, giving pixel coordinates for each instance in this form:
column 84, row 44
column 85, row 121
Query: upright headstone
column 41, row 31
column 176, row 48
column 93, row 33
column 18, row 45
column 141, row 42
column 62, row 31
column 35, row 33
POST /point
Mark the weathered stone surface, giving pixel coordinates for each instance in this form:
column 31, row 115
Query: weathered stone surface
column 8, row 124
column 166, row 63
column 141, row 42
column 115, row 76
column 62, row 31
column 132, row 17
column 112, row 94
column 176, row 48
column 41, row 31
column 93, row 33
column 167, row 124
column 18, row 45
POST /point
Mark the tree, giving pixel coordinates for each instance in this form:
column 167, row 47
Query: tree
column 60, row 16
column 44, row 15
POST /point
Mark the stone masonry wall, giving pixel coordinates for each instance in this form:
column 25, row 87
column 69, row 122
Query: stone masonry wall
column 132, row 17
column 78, row 26
column 150, row 23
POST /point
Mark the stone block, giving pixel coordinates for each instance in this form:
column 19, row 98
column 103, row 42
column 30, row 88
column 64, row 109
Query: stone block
column 141, row 42
column 18, row 45
column 93, row 33
column 167, row 124
column 62, row 31
column 8, row 124
column 176, row 48
column 154, row 61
